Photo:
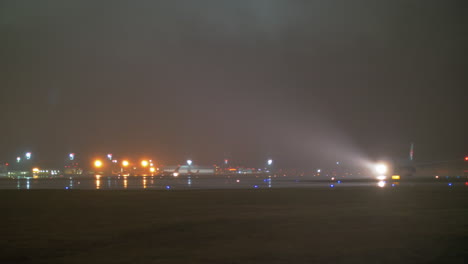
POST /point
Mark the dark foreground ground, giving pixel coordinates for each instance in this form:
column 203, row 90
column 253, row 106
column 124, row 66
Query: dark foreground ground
column 348, row 225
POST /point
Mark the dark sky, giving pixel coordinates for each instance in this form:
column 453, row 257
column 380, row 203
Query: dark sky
column 305, row 82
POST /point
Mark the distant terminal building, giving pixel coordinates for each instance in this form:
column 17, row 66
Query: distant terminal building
column 186, row 169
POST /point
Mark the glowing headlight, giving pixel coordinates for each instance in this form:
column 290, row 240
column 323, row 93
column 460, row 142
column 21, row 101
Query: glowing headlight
column 381, row 168
column 175, row 174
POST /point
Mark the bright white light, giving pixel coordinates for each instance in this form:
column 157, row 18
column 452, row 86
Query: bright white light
column 381, row 177
column 71, row 156
column 109, row 156
column 189, row 162
column 18, row 159
column 175, row 174
column 319, row 170
column 28, row 155
column 226, row 161
column 270, row 161
column 381, row 168
column 381, row 184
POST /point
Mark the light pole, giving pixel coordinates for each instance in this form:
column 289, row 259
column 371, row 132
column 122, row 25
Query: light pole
column 189, row 163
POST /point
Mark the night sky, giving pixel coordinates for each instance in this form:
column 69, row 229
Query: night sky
column 304, row 82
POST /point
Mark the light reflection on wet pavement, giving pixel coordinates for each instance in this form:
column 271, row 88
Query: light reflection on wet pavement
column 188, row 182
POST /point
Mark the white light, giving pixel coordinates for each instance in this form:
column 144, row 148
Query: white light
column 381, row 184
column 270, row 161
column 71, row 156
column 18, row 159
column 319, row 170
column 381, row 168
column 381, row 177
column 189, row 162
column 109, row 156
column 175, row 174
column 28, row 155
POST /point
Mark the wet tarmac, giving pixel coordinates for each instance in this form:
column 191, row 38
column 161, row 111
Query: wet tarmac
column 196, row 182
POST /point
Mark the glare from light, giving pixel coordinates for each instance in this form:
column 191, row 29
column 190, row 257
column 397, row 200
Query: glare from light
column 97, row 163
column 71, row 156
column 395, row 177
column 381, row 184
column 144, row 163
column 152, row 169
column 125, row 163
column 175, row 174
column 270, row 161
column 381, row 168
column 18, row 159
column 381, row 177
column 109, row 156
column 319, row 170
column 28, row 155
column 35, row 170
column 189, row 162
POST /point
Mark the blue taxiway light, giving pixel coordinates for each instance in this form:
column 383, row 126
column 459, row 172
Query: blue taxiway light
column 255, row 186
column 332, row 185
column 168, row 187
column 450, row 184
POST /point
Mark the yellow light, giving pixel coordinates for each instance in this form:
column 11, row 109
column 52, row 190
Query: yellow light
column 35, row 170
column 125, row 163
column 97, row 163
column 152, row 169
column 395, row 177
column 144, row 163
